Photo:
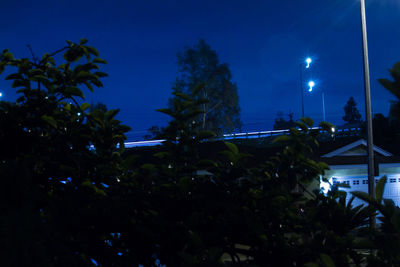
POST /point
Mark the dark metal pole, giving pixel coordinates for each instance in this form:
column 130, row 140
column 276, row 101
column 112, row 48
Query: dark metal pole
column 370, row 144
column 301, row 89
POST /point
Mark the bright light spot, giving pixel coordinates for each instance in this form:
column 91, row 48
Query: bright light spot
column 105, row 185
column 1, row 94
column 79, row 113
column 325, row 187
column 94, row 262
column 308, row 61
column 311, row 84
column 333, row 129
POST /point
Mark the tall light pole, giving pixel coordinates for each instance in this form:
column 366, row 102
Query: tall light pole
column 367, row 91
column 302, row 65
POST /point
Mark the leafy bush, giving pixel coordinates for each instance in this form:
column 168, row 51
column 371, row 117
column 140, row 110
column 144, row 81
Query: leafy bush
column 70, row 197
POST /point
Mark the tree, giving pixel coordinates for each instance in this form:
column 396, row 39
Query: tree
column 153, row 133
column 281, row 123
column 68, row 197
column 200, row 66
column 352, row 115
column 99, row 106
column 59, row 164
column 394, row 88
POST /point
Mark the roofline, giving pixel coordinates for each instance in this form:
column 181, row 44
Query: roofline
column 355, row 144
column 360, row 166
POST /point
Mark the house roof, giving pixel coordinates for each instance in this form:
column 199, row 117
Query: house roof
column 357, row 148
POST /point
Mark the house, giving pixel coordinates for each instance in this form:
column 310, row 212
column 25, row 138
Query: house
column 348, row 165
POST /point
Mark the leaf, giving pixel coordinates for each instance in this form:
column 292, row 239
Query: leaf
column 149, row 167
column 83, row 41
column 362, row 195
column 197, row 89
column 67, row 107
column 183, row 96
column 7, row 56
column 2, row 66
column 390, row 86
column 232, row 147
column 39, row 78
column 92, row 51
column 343, row 185
column 323, row 166
column 99, row 60
column 130, row 160
column 228, row 155
column 70, row 43
column 85, row 106
column 302, row 126
column 88, row 85
column 206, row 163
column 83, row 75
column 282, row 139
column 14, row 76
column 326, row 126
column 308, row 121
column 50, row 120
column 21, row 83
column 166, row 111
column 74, row 54
column 111, row 113
column 73, row 91
column 205, row 135
column 380, row 187
column 325, row 180
column 100, row 74
column 35, row 72
column 327, row 260
column 161, row 155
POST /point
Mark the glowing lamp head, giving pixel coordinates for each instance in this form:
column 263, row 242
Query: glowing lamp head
column 308, row 61
column 333, row 129
column 1, row 94
column 311, row 84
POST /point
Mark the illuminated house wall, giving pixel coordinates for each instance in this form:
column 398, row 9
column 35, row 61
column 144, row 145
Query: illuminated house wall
column 348, row 165
column 357, row 178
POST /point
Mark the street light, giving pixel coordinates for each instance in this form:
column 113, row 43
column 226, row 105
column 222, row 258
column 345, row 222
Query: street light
column 308, row 61
column 311, row 84
column 307, row 66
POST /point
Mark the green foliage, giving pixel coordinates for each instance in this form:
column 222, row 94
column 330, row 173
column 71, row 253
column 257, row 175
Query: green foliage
column 58, row 162
column 70, row 195
column 386, row 237
column 202, row 76
column 393, row 86
column 352, row 115
column 97, row 106
column 256, row 215
column 392, row 133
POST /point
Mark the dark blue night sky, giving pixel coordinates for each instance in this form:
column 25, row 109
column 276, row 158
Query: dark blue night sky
column 262, row 41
